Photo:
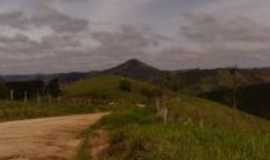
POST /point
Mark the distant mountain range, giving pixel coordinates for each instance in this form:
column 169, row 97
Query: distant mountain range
column 139, row 70
column 65, row 77
column 132, row 68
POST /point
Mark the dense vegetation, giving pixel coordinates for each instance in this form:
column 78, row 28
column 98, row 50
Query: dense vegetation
column 33, row 89
column 253, row 99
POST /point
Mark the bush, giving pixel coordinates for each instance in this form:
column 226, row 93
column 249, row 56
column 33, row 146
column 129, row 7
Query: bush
column 151, row 92
column 125, row 85
column 3, row 91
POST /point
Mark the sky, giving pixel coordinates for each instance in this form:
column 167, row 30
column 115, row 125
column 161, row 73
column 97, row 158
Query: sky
column 52, row 36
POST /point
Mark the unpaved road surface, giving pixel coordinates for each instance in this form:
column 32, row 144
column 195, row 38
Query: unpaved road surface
column 44, row 139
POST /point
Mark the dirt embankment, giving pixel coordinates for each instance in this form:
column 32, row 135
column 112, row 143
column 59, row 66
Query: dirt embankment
column 43, row 139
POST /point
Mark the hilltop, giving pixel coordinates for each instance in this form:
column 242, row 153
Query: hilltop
column 135, row 69
column 111, row 88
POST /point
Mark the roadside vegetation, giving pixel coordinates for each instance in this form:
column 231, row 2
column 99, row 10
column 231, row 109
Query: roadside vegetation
column 197, row 129
column 139, row 135
column 19, row 110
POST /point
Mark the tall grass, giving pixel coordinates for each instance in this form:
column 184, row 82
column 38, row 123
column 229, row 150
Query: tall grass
column 139, row 135
column 203, row 112
column 174, row 142
column 19, row 110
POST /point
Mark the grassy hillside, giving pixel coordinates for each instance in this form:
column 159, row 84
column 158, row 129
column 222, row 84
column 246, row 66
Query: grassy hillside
column 112, row 88
column 202, row 112
column 197, row 129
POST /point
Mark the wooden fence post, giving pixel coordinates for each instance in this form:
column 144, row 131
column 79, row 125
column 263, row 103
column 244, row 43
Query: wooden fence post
column 25, row 96
column 49, row 99
column 165, row 114
column 12, row 95
column 38, row 98
column 158, row 106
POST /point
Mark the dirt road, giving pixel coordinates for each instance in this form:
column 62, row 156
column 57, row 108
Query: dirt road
column 43, row 139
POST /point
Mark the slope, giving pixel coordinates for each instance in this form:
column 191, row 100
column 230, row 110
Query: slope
column 197, row 129
column 110, row 87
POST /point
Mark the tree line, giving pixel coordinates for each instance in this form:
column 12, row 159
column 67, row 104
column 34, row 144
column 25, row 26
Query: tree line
column 29, row 89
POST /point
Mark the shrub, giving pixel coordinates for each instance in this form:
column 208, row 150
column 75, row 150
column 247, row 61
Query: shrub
column 125, row 85
column 3, row 91
column 151, row 92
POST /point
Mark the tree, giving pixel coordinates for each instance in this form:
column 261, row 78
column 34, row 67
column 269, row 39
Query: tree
column 151, row 92
column 53, row 88
column 4, row 92
column 231, row 79
column 235, row 86
column 125, row 85
column 171, row 81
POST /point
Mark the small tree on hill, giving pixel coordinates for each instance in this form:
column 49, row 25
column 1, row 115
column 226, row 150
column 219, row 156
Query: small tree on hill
column 53, row 88
column 3, row 91
column 235, row 87
column 125, row 85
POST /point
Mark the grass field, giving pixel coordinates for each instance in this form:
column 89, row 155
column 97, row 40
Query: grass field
column 224, row 134
column 19, row 110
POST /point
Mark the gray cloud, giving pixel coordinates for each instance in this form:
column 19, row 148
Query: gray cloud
column 209, row 29
column 226, row 41
column 58, row 21
column 126, row 43
column 15, row 19
column 22, row 47
column 70, row 35
column 66, row 52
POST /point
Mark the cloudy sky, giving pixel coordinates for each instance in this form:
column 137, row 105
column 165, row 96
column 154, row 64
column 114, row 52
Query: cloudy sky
column 45, row 36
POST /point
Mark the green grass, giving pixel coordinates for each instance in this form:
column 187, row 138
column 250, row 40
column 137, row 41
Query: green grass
column 214, row 115
column 108, row 88
column 173, row 142
column 197, row 130
column 83, row 152
column 19, row 110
